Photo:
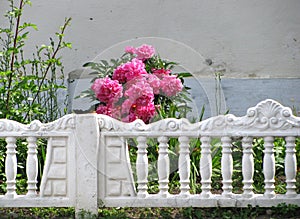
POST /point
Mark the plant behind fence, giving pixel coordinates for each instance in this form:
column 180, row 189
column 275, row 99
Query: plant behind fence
column 29, row 84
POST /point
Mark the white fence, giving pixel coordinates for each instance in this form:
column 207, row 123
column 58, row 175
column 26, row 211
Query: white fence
column 88, row 165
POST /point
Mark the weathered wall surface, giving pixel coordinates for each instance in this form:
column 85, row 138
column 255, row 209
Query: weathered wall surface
column 252, row 39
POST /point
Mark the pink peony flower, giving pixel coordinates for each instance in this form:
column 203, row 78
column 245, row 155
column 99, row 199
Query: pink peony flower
column 129, row 70
column 106, row 110
column 116, row 111
column 126, row 106
column 130, row 49
column 130, row 93
column 154, row 82
column 109, row 110
column 160, row 73
column 107, row 90
column 145, row 112
column 137, row 88
column 130, row 118
column 144, row 100
column 144, row 52
column 171, row 85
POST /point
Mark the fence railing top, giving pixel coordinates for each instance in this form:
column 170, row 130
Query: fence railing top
column 62, row 124
column 266, row 117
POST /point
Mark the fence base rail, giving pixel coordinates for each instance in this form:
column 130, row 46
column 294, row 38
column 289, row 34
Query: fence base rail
column 196, row 201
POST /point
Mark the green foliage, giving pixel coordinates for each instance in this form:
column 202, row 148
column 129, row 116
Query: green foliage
column 37, row 213
column 102, row 69
column 28, row 83
column 280, row 211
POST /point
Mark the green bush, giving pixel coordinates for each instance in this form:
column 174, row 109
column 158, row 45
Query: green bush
column 28, row 83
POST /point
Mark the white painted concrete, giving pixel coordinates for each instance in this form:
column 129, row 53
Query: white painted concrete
column 88, row 165
column 257, row 39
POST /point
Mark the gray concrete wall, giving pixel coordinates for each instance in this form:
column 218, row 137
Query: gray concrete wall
column 257, row 39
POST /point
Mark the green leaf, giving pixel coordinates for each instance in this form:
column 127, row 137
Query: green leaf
column 184, row 74
column 68, row 45
column 25, row 25
column 104, row 62
column 89, row 64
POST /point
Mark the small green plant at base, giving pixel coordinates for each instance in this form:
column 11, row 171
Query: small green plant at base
column 278, row 212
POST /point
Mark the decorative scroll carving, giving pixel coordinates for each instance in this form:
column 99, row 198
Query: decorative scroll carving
column 169, row 124
column 109, row 123
column 267, row 115
column 10, row 125
column 218, row 122
column 271, row 114
column 64, row 123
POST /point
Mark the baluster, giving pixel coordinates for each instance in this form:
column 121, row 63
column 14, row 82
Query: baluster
column 290, row 166
column 32, row 166
column 247, row 167
column 184, row 166
column 205, row 166
column 163, row 165
column 227, row 166
column 269, row 167
column 142, row 167
column 11, row 167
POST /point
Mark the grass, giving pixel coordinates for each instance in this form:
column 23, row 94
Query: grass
column 280, row 211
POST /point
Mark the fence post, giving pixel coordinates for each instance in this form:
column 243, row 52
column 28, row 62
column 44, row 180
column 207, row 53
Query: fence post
column 87, row 140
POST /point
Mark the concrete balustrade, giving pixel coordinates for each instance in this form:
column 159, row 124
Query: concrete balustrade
column 88, row 164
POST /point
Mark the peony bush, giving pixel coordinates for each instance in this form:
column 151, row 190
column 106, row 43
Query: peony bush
column 139, row 85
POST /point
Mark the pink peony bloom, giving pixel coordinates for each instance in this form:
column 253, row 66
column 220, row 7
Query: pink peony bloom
column 130, row 118
column 130, row 93
column 154, row 82
column 137, row 88
column 109, row 110
column 107, row 90
column 129, row 70
column 171, row 85
column 144, row 52
column 160, row 73
column 142, row 109
column 144, row 100
column 106, row 110
column 145, row 112
column 126, row 106
column 130, row 49
column 116, row 111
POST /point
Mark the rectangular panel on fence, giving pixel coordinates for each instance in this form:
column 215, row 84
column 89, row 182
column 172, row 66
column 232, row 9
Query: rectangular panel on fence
column 39, row 170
